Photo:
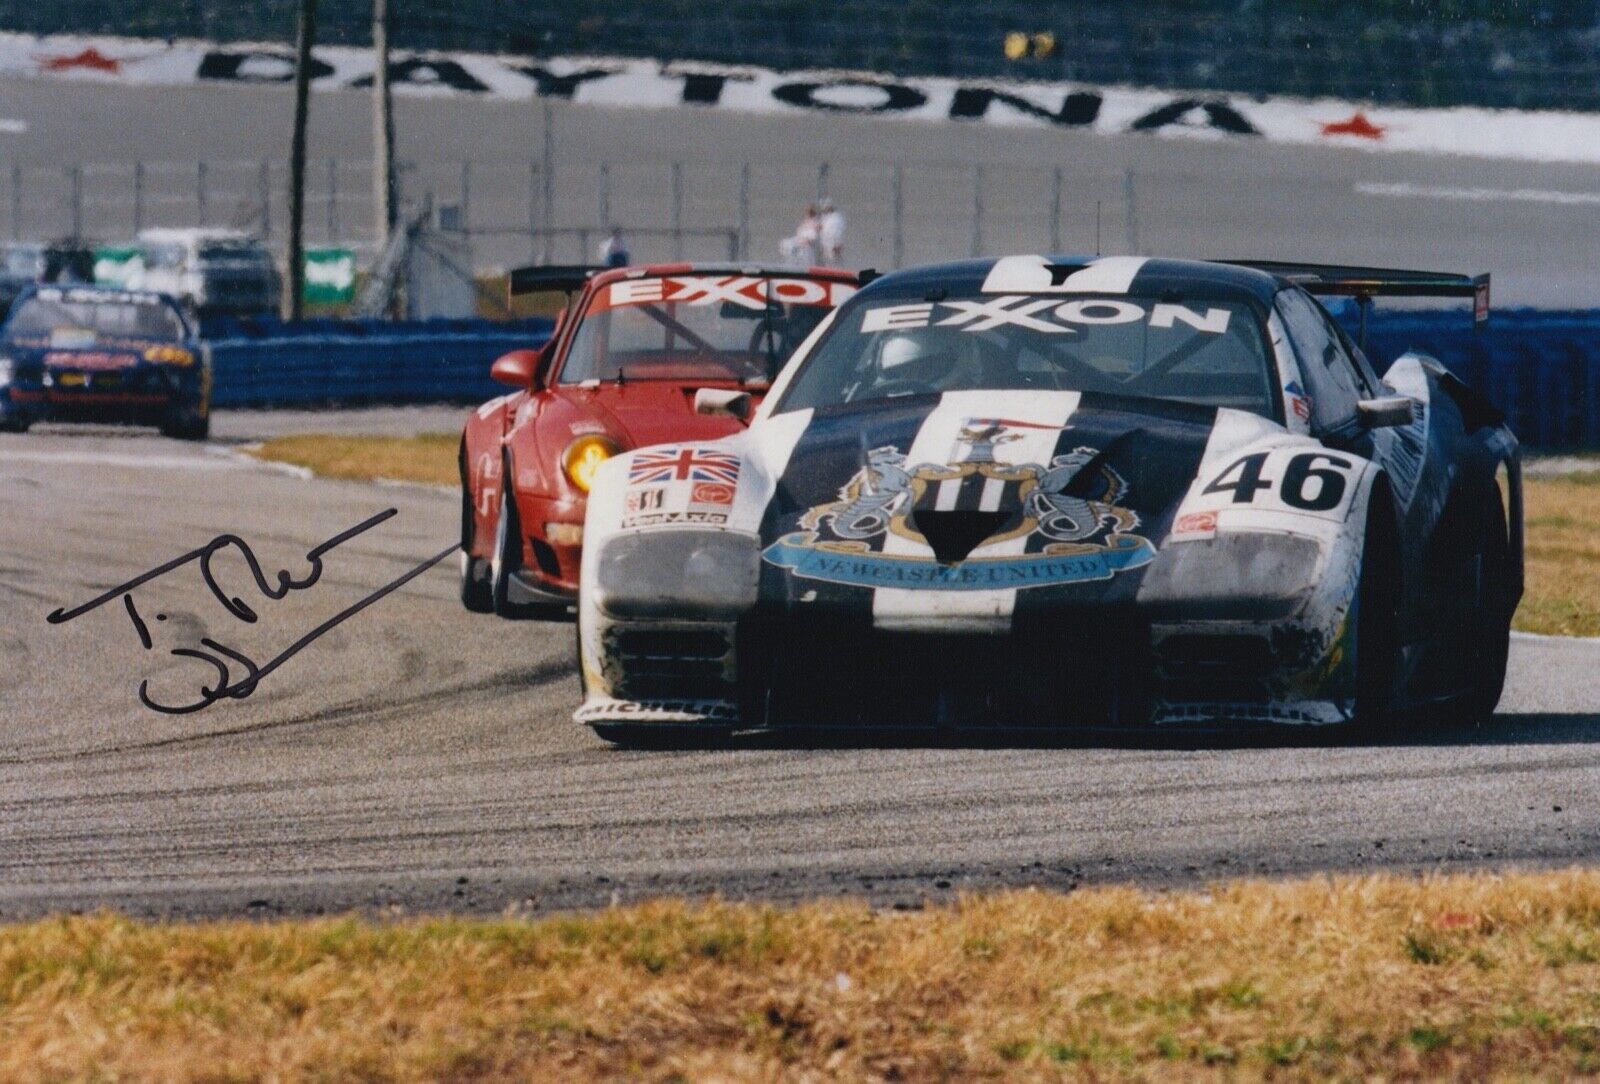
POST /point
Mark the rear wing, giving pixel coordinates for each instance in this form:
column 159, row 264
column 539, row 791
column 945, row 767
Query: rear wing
column 550, row 278
column 1366, row 283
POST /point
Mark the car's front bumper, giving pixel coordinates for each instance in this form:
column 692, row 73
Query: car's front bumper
column 1086, row 670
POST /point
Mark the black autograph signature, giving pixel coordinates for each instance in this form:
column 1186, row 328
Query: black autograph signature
column 219, row 655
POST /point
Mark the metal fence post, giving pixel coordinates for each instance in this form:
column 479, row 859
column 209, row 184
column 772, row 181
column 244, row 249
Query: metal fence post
column 138, row 197
column 605, row 195
column 977, row 210
column 744, row 211
column 899, row 208
column 16, row 203
column 1055, row 211
column 333, row 199
column 75, row 178
column 266, row 199
column 533, row 210
column 1133, row 212
column 677, row 210
column 549, row 180
column 200, row 193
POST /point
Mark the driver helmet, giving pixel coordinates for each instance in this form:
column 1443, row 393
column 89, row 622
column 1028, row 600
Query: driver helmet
column 928, row 357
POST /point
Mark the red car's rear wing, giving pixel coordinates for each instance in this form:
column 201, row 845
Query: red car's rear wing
column 550, row 278
column 1366, row 283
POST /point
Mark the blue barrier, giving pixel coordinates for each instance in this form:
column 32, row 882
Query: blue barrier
column 268, row 363
column 1541, row 367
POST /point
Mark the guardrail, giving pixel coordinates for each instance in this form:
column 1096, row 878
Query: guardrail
column 268, row 363
column 1542, row 367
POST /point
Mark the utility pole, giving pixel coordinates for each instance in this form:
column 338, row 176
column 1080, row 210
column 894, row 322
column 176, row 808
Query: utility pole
column 305, row 35
column 383, row 186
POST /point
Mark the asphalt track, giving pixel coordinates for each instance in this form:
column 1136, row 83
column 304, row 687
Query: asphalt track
column 1531, row 224
column 422, row 758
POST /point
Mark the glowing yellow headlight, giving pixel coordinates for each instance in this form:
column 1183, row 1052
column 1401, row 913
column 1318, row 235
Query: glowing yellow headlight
column 584, row 456
column 169, row 355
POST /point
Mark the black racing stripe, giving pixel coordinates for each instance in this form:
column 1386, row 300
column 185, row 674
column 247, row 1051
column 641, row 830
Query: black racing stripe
column 827, row 456
column 1154, row 448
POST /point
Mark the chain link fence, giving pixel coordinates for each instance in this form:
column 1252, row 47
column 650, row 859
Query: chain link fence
column 555, row 211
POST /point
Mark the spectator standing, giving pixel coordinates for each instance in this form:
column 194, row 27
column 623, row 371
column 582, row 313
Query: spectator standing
column 614, row 250
column 802, row 247
column 830, row 228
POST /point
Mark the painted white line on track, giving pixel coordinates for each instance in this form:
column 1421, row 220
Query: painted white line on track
column 1477, row 195
column 112, row 459
column 1545, row 637
column 11, row 126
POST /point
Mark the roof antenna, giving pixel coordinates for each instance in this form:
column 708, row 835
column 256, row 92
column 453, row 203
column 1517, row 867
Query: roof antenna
column 1097, row 229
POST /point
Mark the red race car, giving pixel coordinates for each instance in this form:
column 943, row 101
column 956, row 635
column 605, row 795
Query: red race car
column 639, row 355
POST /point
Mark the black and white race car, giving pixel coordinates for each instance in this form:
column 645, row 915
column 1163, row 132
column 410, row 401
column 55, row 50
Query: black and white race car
column 1060, row 492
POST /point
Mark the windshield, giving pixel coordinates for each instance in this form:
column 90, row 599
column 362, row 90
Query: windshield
column 697, row 327
column 42, row 314
column 1190, row 349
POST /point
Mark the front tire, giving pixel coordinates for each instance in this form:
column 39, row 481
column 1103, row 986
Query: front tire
column 1377, row 618
column 475, row 592
column 507, row 561
column 186, row 423
column 1491, row 648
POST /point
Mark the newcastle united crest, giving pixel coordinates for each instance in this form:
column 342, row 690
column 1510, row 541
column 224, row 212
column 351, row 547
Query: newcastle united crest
column 988, row 524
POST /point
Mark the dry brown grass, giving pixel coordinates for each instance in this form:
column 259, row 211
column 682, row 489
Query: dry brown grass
column 1563, row 557
column 1459, row 977
column 425, row 457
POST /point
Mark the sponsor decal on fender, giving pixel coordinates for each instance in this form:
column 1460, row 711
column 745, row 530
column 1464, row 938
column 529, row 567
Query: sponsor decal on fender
column 1086, row 537
column 680, row 484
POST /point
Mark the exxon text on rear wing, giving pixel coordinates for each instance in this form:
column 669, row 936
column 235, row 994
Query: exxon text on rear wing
column 1366, row 283
column 549, row 278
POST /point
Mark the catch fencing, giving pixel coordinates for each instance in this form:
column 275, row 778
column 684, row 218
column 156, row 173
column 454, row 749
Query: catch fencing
column 558, row 211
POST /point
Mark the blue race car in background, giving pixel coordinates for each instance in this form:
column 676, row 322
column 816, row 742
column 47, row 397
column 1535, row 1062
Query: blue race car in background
column 92, row 354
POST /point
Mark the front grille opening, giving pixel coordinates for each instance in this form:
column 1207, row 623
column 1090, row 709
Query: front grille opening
column 1050, row 679
column 1215, row 667
column 672, row 664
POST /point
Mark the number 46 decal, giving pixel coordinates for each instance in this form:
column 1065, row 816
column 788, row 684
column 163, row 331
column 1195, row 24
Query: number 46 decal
column 1313, row 481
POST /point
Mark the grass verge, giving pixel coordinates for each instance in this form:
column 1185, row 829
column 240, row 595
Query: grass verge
column 1466, row 977
column 1563, row 555
column 1561, row 517
column 425, row 457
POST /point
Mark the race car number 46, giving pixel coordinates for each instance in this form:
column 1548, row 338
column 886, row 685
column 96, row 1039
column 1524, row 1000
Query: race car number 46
column 1310, row 482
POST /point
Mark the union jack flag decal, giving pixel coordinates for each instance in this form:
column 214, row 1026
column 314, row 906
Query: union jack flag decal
column 655, row 465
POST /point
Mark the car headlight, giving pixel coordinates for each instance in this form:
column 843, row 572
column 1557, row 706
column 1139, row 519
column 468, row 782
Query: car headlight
column 584, row 456
column 8, row 369
column 679, row 574
column 1237, row 576
column 169, row 355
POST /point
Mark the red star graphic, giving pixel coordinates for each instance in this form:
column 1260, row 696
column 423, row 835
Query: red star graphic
column 91, row 59
column 1358, row 125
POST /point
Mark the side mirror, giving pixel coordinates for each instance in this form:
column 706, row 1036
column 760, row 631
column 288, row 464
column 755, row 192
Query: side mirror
column 733, row 404
column 1385, row 413
column 515, row 368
